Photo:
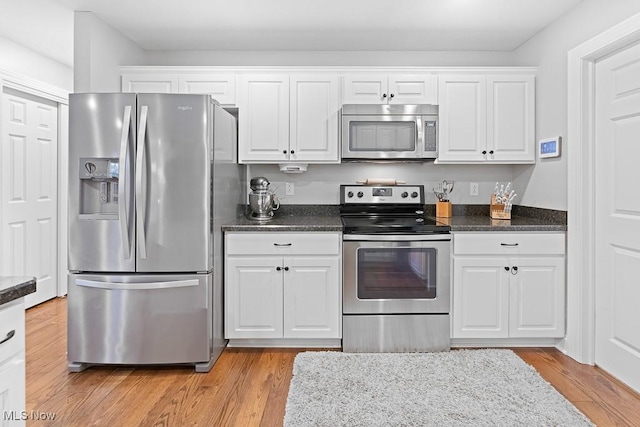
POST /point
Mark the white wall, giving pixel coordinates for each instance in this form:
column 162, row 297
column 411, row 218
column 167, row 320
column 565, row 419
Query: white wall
column 546, row 182
column 329, row 58
column 320, row 184
column 22, row 61
column 99, row 50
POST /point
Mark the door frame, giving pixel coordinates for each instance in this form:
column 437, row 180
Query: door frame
column 61, row 97
column 579, row 342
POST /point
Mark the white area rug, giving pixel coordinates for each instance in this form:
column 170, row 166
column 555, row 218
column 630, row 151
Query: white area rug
column 457, row 388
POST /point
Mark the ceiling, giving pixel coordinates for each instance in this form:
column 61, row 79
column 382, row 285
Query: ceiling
column 46, row 26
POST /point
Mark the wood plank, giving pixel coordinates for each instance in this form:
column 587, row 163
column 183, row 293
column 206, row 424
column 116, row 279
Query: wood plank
column 246, row 387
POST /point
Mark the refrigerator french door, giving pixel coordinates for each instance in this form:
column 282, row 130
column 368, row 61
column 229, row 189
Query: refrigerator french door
column 140, row 229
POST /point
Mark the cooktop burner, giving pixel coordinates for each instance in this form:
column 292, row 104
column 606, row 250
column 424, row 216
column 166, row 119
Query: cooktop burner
column 397, row 209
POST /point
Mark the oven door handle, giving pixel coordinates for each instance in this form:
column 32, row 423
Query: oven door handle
column 397, row 237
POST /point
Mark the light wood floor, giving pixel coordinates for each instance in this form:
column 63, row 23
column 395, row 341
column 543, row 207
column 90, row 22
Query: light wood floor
column 246, row 387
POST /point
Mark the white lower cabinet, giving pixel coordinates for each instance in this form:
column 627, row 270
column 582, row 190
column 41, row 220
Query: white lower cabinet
column 509, row 285
column 12, row 364
column 288, row 286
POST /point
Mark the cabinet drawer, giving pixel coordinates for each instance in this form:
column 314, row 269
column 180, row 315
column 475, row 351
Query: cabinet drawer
column 11, row 325
column 283, row 243
column 508, row 243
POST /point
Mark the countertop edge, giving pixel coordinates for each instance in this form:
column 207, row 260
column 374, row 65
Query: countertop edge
column 23, row 286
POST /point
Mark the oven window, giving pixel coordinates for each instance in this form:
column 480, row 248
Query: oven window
column 396, row 273
column 382, row 136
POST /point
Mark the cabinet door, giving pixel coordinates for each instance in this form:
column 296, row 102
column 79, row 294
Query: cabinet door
column 315, row 103
column 510, row 118
column 253, row 297
column 263, row 112
column 537, row 298
column 221, row 86
column 413, row 89
column 150, row 83
column 480, row 298
column 365, row 89
column 312, row 298
column 12, row 391
column 463, row 118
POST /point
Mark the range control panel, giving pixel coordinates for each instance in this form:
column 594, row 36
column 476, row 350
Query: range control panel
column 382, row 194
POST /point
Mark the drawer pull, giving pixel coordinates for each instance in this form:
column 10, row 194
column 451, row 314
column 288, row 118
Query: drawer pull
column 9, row 336
column 509, row 244
column 282, row 244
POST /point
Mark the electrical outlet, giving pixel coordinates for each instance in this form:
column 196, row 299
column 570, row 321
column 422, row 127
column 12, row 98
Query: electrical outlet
column 288, row 188
column 473, row 189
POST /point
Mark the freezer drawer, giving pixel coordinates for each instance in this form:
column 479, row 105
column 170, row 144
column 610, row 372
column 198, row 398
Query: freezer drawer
column 139, row 319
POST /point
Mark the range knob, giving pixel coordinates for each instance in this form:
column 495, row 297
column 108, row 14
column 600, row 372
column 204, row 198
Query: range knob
column 350, row 194
column 414, row 194
column 360, row 194
column 404, row 195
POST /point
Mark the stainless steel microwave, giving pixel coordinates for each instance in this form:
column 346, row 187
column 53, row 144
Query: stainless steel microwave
column 389, row 132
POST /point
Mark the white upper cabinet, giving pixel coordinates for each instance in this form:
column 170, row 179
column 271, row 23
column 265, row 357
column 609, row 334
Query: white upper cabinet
column 222, row 87
column 313, row 116
column 288, row 118
column 150, row 83
column 263, row 117
column 390, row 89
column 486, row 118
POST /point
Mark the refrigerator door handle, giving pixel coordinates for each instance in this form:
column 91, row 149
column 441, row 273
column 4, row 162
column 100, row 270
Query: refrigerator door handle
column 123, row 216
column 137, row 286
column 140, row 202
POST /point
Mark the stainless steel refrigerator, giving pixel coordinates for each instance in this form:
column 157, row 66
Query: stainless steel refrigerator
column 151, row 179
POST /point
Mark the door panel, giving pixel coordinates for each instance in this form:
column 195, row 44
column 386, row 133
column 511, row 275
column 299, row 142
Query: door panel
column 618, row 215
column 175, row 184
column 253, row 298
column 139, row 319
column 537, row 298
column 97, row 125
column 312, row 298
column 28, row 180
column 480, row 298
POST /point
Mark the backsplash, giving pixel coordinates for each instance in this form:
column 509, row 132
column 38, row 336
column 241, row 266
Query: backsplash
column 319, row 185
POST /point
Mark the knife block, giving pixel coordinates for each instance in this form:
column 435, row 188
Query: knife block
column 496, row 211
column 443, row 209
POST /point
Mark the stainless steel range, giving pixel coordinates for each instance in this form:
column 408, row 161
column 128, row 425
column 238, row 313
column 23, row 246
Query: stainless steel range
column 396, row 278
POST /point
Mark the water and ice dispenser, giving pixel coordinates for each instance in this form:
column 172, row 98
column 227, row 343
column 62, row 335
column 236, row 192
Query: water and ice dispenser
column 99, row 187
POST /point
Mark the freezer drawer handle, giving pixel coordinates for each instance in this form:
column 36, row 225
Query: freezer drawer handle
column 9, row 336
column 509, row 244
column 282, row 244
column 140, row 212
column 137, row 286
column 122, row 188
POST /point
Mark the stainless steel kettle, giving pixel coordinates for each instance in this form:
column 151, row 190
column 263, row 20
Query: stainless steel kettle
column 262, row 201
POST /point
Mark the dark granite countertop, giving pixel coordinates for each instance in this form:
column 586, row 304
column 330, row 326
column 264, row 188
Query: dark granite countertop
column 485, row 223
column 292, row 218
column 14, row 287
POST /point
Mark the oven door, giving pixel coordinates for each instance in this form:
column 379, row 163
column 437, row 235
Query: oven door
column 396, row 274
column 381, row 137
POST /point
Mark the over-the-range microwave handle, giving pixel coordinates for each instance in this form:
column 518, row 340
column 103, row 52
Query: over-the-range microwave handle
column 136, row 286
column 420, row 152
column 140, row 208
column 123, row 213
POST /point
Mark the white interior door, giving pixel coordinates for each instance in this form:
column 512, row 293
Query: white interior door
column 29, row 191
column 617, row 153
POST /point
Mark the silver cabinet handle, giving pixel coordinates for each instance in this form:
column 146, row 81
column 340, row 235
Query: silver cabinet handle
column 9, row 336
column 511, row 245
column 140, row 211
column 283, row 244
column 123, row 217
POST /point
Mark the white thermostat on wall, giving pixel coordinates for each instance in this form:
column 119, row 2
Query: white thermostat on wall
column 549, row 147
